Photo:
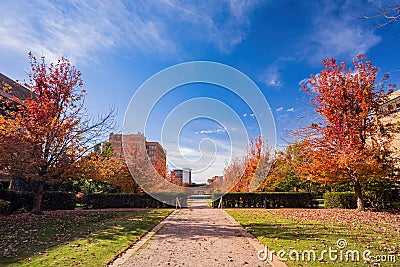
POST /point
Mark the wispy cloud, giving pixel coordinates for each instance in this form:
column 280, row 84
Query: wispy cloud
column 337, row 33
column 81, row 29
column 271, row 76
column 290, row 110
column 279, row 109
column 211, row 131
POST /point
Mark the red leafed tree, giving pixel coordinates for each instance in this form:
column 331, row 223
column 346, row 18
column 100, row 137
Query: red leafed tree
column 42, row 139
column 349, row 142
column 242, row 174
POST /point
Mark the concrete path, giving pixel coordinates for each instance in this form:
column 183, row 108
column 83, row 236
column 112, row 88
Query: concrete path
column 196, row 237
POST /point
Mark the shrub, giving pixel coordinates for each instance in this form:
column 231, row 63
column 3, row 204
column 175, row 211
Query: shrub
column 377, row 194
column 272, row 199
column 136, row 200
column 342, row 200
column 54, row 200
column 380, row 195
column 50, row 201
column 4, row 206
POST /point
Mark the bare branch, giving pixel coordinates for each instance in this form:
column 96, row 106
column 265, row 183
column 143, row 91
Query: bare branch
column 385, row 14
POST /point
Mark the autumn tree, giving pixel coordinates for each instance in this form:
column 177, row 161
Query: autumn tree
column 172, row 178
column 42, row 140
column 246, row 173
column 285, row 174
column 348, row 142
column 102, row 166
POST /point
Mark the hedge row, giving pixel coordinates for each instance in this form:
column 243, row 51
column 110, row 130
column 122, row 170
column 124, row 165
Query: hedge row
column 142, row 200
column 375, row 200
column 342, row 200
column 50, row 201
column 15, row 200
column 268, row 199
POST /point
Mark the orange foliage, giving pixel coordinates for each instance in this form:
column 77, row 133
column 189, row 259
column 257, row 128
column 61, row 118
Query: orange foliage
column 348, row 142
column 42, row 138
column 171, row 177
column 111, row 169
column 240, row 175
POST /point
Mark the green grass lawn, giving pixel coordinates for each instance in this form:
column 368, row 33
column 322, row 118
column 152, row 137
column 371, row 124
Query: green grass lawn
column 300, row 230
column 68, row 238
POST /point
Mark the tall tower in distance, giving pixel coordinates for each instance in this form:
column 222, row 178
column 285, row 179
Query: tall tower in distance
column 187, row 176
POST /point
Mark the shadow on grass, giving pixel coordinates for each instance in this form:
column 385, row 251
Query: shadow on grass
column 64, row 235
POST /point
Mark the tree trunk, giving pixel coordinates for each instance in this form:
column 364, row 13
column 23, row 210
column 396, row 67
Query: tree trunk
column 37, row 197
column 359, row 196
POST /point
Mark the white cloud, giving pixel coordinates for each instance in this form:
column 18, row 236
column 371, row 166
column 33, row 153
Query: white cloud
column 81, row 30
column 252, row 115
column 337, row 33
column 189, row 152
column 274, row 81
column 211, row 131
column 290, row 110
column 271, row 77
column 279, row 109
column 245, row 114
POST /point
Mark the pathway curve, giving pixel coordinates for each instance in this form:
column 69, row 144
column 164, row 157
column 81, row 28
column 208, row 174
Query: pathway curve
column 197, row 237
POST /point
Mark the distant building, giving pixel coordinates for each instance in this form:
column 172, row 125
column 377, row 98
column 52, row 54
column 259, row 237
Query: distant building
column 184, row 175
column 187, row 176
column 11, row 90
column 178, row 174
column 155, row 152
column 392, row 106
column 217, row 179
column 116, row 144
column 392, row 115
column 215, row 182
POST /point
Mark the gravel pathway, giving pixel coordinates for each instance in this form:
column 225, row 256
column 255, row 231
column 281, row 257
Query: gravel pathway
column 197, row 237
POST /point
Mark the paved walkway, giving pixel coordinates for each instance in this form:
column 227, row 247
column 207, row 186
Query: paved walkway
column 196, row 237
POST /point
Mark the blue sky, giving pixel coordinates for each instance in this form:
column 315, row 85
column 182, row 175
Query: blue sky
column 118, row 45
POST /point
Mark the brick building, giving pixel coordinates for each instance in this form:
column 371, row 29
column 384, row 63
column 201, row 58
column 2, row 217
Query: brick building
column 155, row 152
column 392, row 115
column 11, row 90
